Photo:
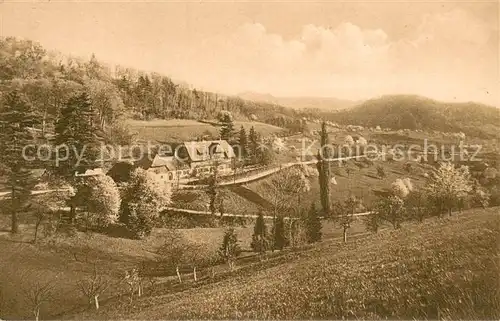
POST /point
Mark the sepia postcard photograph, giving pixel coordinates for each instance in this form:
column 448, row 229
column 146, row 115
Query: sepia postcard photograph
column 249, row 160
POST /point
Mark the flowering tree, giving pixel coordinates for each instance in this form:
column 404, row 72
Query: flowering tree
column 448, row 185
column 349, row 141
column 400, row 189
column 100, row 197
column 362, row 141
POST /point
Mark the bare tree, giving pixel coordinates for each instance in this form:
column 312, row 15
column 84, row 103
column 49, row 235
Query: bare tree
column 38, row 292
column 174, row 250
column 93, row 287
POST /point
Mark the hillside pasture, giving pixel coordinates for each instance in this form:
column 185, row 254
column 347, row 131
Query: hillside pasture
column 443, row 268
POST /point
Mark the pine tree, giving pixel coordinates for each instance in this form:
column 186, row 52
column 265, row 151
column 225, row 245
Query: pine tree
column 212, row 191
column 313, row 225
column 243, row 143
column 227, row 130
column 77, row 130
column 16, row 119
column 259, row 237
column 77, row 140
column 253, row 144
column 323, row 167
column 279, row 239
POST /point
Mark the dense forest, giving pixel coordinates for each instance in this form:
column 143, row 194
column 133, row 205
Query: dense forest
column 48, row 79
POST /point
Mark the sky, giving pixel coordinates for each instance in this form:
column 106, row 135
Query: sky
column 345, row 49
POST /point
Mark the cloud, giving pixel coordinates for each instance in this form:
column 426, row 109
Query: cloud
column 443, row 58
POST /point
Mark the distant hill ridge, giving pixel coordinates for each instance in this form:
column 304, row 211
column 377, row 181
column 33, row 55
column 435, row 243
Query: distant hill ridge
column 417, row 112
column 320, row 103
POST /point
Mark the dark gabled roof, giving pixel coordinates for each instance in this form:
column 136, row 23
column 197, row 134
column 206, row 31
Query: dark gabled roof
column 204, row 150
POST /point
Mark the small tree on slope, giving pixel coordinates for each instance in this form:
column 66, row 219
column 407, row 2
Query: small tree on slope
column 259, row 237
column 313, row 225
column 229, row 249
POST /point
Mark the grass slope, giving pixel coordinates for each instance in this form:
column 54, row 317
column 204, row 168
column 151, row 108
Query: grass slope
column 179, row 130
column 444, row 268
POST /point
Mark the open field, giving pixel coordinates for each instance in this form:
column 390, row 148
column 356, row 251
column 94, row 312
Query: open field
column 178, row 130
column 443, row 268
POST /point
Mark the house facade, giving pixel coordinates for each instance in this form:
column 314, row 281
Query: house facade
column 193, row 159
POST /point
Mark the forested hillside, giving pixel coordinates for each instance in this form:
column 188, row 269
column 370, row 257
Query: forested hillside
column 49, row 79
column 415, row 112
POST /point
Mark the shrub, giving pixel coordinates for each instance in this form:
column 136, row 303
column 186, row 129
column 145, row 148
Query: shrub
column 259, row 238
column 381, row 171
column 313, row 225
column 279, row 240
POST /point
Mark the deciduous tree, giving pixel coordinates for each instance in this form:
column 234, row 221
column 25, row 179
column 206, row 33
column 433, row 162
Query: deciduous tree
column 391, row 209
column 142, row 202
column 99, row 196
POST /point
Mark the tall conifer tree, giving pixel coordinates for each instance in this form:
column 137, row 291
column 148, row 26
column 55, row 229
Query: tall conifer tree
column 17, row 119
column 323, row 167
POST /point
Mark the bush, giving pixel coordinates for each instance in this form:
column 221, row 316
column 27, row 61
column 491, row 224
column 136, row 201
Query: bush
column 380, row 171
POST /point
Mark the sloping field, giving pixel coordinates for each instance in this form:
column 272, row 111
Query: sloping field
column 172, row 130
column 179, row 130
column 360, row 182
column 261, row 128
column 445, row 268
